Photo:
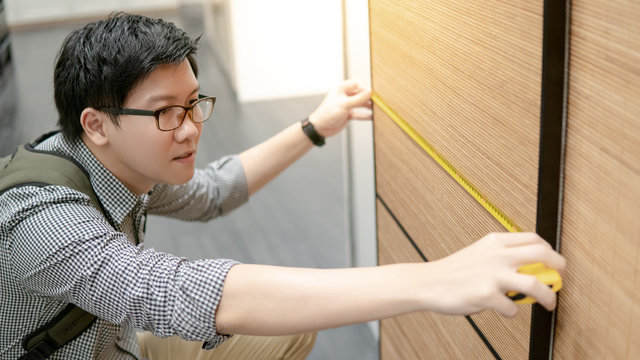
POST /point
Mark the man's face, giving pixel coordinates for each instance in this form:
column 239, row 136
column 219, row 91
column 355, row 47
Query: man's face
column 142, row 155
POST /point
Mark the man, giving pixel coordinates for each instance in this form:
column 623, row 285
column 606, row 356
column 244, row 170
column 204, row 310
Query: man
column 131, row 114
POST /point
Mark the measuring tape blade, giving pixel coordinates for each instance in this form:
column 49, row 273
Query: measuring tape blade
column 497, row 214
column 544, row 274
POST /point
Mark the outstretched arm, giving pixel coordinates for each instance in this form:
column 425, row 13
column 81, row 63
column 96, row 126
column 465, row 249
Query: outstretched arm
column 263, row 162
column 268, row 300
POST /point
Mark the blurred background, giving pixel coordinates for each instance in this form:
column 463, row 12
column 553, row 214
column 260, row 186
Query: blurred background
column 269, row 64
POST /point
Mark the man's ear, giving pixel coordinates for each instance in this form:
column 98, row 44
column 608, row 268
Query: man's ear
column 95, row 125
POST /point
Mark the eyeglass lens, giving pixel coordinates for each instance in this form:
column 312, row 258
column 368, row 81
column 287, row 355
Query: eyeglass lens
column 173, row 116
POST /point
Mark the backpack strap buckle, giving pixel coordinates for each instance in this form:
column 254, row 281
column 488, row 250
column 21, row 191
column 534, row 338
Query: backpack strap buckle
column 41, row 350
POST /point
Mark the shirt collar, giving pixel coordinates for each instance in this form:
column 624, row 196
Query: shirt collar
column 116, row 198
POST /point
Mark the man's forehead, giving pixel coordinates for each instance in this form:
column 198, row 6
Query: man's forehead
column 166, row 83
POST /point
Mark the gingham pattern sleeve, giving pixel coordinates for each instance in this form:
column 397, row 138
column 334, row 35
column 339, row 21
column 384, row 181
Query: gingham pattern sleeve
column 213, row 191
column 60, row 247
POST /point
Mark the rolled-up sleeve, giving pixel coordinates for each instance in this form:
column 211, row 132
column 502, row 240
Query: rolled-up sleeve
column 213, row 191
column 61, row 247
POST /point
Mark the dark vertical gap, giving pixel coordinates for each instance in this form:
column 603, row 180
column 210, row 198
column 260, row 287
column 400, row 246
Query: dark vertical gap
column 552, row 116
column 424, row 258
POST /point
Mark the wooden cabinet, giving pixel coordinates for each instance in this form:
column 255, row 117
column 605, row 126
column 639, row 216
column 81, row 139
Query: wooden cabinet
column 599, row 309
column 468, row 78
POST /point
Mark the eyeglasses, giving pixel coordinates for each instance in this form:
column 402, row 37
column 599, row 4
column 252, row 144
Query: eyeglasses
column 171, row 117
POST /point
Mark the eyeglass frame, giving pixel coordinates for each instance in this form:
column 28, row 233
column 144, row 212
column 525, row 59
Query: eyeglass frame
column 156, row 113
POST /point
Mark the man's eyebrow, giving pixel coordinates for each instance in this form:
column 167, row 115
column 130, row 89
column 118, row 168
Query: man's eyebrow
column 157, row 98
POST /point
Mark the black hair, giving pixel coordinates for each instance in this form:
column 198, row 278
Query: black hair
column 100, row 63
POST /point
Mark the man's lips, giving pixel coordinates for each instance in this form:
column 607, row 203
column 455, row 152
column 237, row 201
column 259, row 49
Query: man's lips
column 184, row 155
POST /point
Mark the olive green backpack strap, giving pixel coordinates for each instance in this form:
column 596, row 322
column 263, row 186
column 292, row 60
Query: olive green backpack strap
column 63, row 328
column 30, row 167
column 27, row 166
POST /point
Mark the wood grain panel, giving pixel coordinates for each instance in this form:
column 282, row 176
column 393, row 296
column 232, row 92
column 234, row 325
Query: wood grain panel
column 420, row 335
column 466, row 75
column 441, row 217
column 599, row 308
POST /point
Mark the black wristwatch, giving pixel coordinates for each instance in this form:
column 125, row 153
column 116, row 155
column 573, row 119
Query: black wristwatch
column 311, row 132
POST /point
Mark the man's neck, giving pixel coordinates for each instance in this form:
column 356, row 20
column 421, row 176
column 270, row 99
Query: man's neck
column 113, row 165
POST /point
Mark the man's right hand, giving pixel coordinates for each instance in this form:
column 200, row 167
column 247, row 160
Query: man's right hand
column 479, row 276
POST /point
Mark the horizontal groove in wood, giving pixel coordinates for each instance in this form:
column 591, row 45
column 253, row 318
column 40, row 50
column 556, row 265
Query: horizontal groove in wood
column 599, row 306
column 466, row 76
column 441, row 217
column 422, row 335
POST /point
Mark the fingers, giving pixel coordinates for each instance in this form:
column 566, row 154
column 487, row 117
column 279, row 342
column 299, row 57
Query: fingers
column 504, row 306
column 531, row 286
column 357, row 94
column 351, row 87
column 516, row 239
column 483, row 273
column 360, row 98
column 526, row 248
column 361, row 113
column 529, row 254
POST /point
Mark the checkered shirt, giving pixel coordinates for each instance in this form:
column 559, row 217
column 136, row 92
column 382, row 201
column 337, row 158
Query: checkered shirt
column 55, row 249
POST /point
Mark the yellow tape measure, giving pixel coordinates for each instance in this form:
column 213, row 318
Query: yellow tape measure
column 544, row 274
column 502, row 218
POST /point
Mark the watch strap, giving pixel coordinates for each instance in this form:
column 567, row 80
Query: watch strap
column 311, row 132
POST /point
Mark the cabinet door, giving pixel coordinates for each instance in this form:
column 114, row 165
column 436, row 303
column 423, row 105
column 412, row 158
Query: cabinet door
column 599, row 307
column 465, row 76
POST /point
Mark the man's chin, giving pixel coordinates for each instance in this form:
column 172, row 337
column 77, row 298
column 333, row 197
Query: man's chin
column 180, row 179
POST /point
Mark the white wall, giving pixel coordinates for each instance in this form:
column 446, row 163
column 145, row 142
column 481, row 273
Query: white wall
column 360, row 139
column 359, row 148
column 26, row 12
column 285, row 48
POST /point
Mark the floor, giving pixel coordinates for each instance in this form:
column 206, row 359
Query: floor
column 297, row 220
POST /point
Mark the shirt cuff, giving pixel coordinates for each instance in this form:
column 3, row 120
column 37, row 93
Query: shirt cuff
column 212, row 344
